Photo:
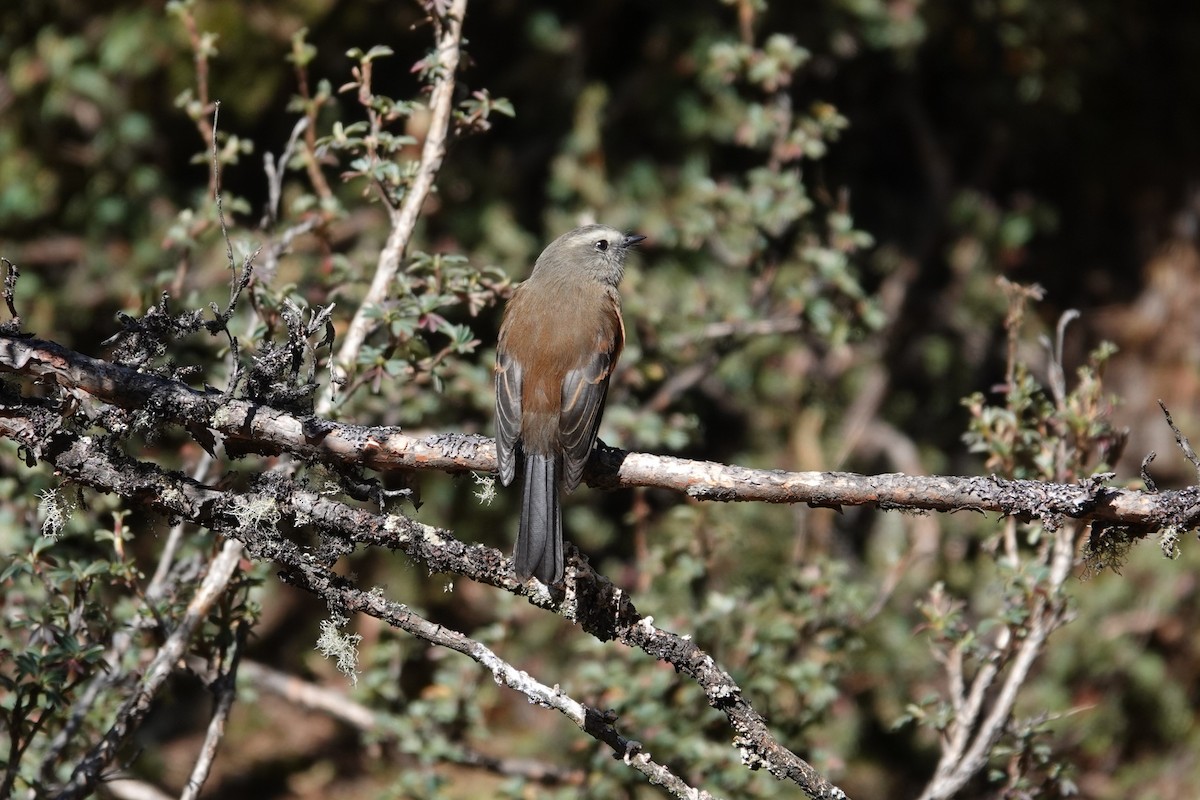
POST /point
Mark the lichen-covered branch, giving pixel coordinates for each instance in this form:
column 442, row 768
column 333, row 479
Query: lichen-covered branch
column 590, row 600
column 247, row 427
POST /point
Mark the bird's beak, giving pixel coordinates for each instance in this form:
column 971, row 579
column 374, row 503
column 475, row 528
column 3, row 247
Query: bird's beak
column 632, row 239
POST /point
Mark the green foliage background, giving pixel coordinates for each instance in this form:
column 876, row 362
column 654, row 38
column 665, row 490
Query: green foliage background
column 830, row 190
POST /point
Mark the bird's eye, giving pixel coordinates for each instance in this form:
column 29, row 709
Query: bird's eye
column 602, row 245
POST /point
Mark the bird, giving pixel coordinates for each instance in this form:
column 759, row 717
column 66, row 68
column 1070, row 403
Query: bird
column 560, row 339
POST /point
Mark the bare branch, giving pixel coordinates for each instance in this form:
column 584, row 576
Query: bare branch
column 770, row 326
column 225, row 688
column 277, row 169
column 307, row 575
column 1144, row 472
column 255, row 428
column 130, row 789
column 11, row 274
column 967, row 749
column 1181, row 440
column 339, row 706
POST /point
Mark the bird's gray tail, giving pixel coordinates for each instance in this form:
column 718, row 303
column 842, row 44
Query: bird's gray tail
column 539, row 541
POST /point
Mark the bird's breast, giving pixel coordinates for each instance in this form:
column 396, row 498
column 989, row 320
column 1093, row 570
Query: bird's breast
column 552, row 330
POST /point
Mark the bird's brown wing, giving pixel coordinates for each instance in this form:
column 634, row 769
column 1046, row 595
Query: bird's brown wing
column 508, row 415
column 583, row 393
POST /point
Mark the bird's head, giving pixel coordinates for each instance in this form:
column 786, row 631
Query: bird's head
column 596, row 251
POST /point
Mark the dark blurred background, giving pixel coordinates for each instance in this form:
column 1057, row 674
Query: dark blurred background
column 852, row 174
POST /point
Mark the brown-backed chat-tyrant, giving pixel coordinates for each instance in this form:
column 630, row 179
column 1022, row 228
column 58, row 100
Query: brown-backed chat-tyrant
column 559, row 343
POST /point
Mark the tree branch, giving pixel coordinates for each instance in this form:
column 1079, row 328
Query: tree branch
column 225, row 689
column 335, row 589
column 338, row 705
column 404, row 219
column 251, row 428
column 593, row 602
column 133, row 710
column 967, row 749
column 590, row 600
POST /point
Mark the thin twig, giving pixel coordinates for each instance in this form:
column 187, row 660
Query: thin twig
column 958, row 766
column 1144, row 472
column 276, row 170
column 88, row 772
column 311, row 110
column 225, row 688
column 1181, row 440
column 1057, row 377
column 404, row 219
column 771, row 326
column 200, row 59
column 11, row 274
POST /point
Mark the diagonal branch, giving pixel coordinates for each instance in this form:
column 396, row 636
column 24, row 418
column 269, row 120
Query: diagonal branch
column 225, row 689
column 86, row 461
column 404, row 219
column 600, row 608
column 338, row 705
column 335, row 589
column 134, row 709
